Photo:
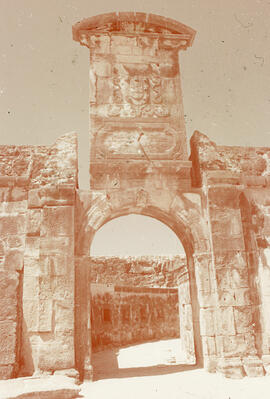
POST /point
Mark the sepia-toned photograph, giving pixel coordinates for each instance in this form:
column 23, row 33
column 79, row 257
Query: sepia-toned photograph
column 134, row 199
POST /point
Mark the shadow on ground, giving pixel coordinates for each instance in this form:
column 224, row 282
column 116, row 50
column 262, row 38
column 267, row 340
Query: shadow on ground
column 105, row 366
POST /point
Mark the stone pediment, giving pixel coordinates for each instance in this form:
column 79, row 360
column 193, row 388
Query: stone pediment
column 133, row 24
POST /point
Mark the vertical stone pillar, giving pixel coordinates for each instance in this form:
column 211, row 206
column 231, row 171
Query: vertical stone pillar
column 186, row 320
column 136, row 108
column 83, row 346
column 48, row 299
column 13, row 211
column 234, row 323
column 255, row 211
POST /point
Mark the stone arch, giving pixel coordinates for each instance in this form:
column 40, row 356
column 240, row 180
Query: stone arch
column 182, row 213
column 184, row 217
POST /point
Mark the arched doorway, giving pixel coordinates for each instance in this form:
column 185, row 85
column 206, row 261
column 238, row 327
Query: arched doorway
column 188, row 301
column 137, row 265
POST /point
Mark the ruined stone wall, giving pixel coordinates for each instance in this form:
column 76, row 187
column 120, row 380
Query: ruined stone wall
column 147, row 271
column 128, row 315
column 37, row 193
column 158, row 320
column 217, row 203
column 236, row 183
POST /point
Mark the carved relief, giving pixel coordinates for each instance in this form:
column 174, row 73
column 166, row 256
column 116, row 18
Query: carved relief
column 142, row 197
column 132, row 27
column 137, row 92
column 144, row 141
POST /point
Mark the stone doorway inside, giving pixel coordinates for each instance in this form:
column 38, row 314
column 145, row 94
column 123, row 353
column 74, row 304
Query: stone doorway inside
column 139, row 303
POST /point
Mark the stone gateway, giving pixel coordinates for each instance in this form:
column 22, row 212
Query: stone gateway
column 216, row 199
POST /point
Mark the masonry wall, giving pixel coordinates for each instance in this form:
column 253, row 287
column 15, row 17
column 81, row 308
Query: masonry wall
column 236, row 182
column 121, row 287
column 39, row 221
column 144, row 271
column 37, row 193
column 128, row 315
column 217, row 203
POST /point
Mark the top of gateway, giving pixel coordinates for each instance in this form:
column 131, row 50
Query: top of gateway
column 131, row 23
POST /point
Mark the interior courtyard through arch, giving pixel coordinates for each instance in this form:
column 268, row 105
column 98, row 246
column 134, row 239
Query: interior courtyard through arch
column 60, row 304
column 135, row 307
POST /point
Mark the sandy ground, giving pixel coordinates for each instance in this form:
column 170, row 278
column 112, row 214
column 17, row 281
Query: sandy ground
column 152, row 370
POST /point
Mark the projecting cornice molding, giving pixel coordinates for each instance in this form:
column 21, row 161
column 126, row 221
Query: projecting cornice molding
column 134, row 24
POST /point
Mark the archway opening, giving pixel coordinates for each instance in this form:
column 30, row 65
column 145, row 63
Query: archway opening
column 136, row 235
column 139, row 276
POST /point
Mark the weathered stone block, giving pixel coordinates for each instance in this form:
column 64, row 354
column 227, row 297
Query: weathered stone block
column 31, row 314
column 223, row 278
column 210, row 363
column 226, row 223
column 18, row 194
column 72, row 373
column 102, row 46
column 62, row 288
column 45, row 315
column 34, row 198
column 209, row 346
column 224, row 244
column 8, row 307
column 202, row 273
column 104, row 90
column 243, row 316
column 207, row 299
column 34, row 222
column 187, row 342
column 207, row 322
column 16, row 241
column 32, row 266
column 57, row 245
column 266, row 363
column 14, row 260
column 32, row 247
column 226, row 298
column 253, row 366
column 225, row 321
column 233, row 258
column 201, row 244
column 242, row 296
column 4, row 194
column 8, row 284
column 102, row 68
column 11, row 224
column 224, row 197
column 6, row 372
column 60, row 265
column 45, row 287
column 64, row 316
column 30, row 287
column 7, row 342
column 187, row 317
column 236, row 345
column 57, row 353
column 13, row 207
column 57, row 221
column 239, row 277
column 231, row 368
column 184, row 293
